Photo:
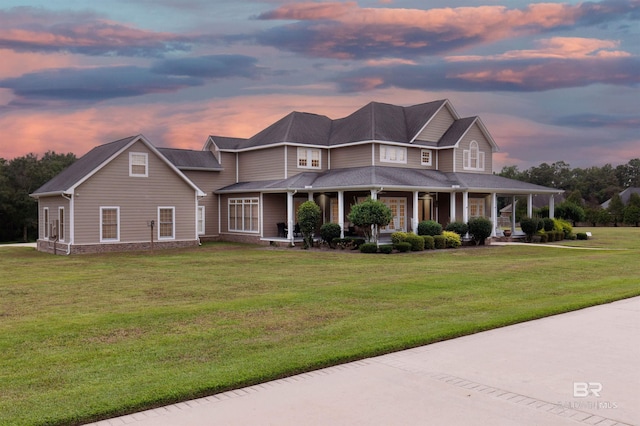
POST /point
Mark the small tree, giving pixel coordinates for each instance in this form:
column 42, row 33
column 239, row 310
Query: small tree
column 616, row 208
column 370, row 215
column 480, row 229
column 329, row 231
column 309, row 215
column 632, row 215
column 429, row 227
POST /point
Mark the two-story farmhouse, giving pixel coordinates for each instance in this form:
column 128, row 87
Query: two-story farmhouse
column 423, row 161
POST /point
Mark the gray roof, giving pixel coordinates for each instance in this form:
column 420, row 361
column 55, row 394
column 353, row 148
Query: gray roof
column 83, row 166
column 375, row 177
column 375, row 121
column 185, row 159
column 624, row 196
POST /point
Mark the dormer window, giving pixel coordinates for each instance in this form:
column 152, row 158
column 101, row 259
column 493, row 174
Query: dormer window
column 393, row 154
column 473, row 158
column 138, row 164
column 309, row 158
column 425, row 157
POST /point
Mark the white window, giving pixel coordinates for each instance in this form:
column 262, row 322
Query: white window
column 473, row 158
column 476, row 207
column 200, row 220
column 309, row 158
column 138, row 164
column 393, row 154
column 109, row 224
column 166, row 223
column 398, row 208
column 243, row 214
column 45, row 213
column 425, row 157
column 61, row 223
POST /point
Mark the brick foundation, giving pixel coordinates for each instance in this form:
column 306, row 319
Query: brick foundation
column 61, row 248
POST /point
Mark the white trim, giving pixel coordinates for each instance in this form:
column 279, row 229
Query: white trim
column 252, row 201
column 61, row 218
column 45, row 220
column 386, row 157
column 139, row 155
column 308, row 157
column 117, row 238
column 422, row 162
column 467, row 158
column 173, row 223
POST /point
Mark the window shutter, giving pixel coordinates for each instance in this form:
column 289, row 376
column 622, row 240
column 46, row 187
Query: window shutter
column 466, row 159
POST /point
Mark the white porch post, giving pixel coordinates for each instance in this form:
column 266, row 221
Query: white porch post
column 465, row 206
column 494, row 213
column 552, row 206
column 290, row 216
column 374, row 194
column 452, row 207
column 310, row 198
column 530, row 205
column 341, row 212
column 414, row 219
column 513, row 214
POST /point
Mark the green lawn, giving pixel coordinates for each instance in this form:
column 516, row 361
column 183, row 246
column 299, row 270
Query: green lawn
column 95, row 336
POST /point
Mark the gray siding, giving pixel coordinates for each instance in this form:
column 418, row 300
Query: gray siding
column 351, row 156
column 437, row 126
column 262, row 164
column 484, row 146
column 207, row 181
column 445, row 160
column 54, row 203
column 228, row 175
column 138, row 199
column 274, row 210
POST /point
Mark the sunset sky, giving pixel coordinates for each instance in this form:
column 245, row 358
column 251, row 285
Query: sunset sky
column 551, row 81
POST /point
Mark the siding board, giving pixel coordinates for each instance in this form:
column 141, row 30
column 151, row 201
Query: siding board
column 263, row 164
column 437, row 126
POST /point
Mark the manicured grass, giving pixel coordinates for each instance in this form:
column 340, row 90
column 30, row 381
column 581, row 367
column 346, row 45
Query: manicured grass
column 90, row 337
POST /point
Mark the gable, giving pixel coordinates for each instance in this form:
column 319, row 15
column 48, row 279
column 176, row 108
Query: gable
column 437, row 125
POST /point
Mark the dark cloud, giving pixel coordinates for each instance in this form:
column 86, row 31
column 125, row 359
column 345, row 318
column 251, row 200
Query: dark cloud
column 599, row 121
column 211, row 67
column 517, row 75
column 38, row 30
column 347, row 31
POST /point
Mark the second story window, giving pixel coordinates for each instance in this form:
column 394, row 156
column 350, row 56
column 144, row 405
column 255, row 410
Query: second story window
column 138, row 164
column 309, row 158
column 473, row 158
column 425, row 157
column 393, row 154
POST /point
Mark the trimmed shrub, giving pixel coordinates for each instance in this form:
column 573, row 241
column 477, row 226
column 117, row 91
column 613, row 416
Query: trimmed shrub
column 530, row 225
column 564, row 226
column 328, row 232
column 582, row 236
column 480, row 229
column 429, row 227
column 429, row 244
column 440, row 242
column 369, row 248
column 386, row 248
column 551, row 236
column 548, row 224
column 453, row 239
column 309, row 214
column 544, row 237
column 347, row 243
column 459, row 228
column 399, row 237
column 416, row 241
column 402, row 247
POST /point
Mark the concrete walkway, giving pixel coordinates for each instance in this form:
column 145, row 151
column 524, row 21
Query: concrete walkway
column 582, row 367
column 18, row 245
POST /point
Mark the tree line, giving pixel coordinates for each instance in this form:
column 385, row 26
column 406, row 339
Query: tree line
column 20, row 177
column 585, row 190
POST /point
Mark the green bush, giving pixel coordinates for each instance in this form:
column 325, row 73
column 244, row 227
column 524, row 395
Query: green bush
column 369, row 248
column 530, row 225
column 582, row 236
column 402, row 247
column 328, row 232
column 544, row 237
column 459, row 228
column 453, row 239
column 429, row 244
column 429, row 227
column 347, row 243
column 309, row 215
column 386, row 248
column 480, row 229
column 399, row 237
column 440, row 241
column 548, row 224
column 551, row 236
column 416, row 241
column 564, row 226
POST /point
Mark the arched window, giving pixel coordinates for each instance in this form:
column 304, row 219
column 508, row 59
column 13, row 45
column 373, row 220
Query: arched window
column 473, row 157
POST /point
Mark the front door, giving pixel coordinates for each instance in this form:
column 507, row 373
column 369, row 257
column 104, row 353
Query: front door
column 398, row 206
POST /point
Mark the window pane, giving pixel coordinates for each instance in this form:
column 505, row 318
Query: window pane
column 166, row 223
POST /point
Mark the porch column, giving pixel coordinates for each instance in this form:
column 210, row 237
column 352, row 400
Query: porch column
column 310, row 198
column 341, row 212
column 290, row 216
column 374, row 194
column 530, row 205
column 494, row 213
column 552, row 206
column 465, row 206
column 452, row 207
column 414, row 219
column 513, row 215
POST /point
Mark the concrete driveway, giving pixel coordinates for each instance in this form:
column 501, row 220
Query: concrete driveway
column 581, row 367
